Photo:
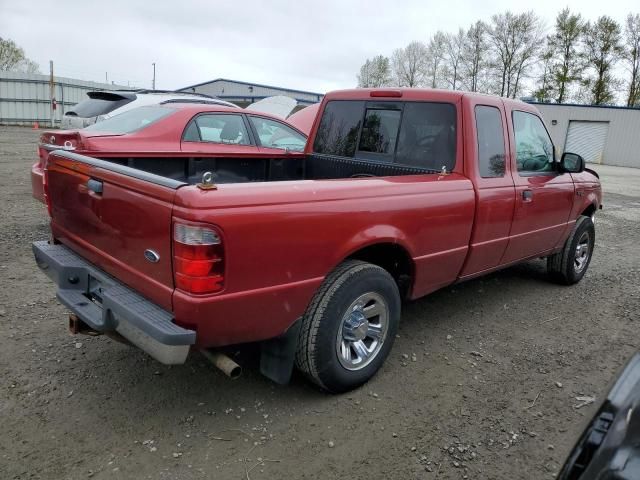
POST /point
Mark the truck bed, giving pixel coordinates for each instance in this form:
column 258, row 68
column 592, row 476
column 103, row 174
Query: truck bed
column 243, row 170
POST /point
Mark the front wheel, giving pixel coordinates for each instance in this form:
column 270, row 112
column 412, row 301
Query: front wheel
column 349, row 327
column 570, row 264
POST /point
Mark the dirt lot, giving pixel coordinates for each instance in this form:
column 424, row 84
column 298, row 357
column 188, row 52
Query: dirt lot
column 481, row 383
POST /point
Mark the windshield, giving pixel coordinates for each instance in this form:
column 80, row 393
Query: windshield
column 98, row 104
column 131, row 121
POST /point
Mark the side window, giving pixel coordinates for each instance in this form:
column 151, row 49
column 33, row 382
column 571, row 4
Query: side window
column 534, row 150
column 380, row 131
column 217, row 128
column 427, row 136
column 275, row 134
column 339, row 128
column 491, row 152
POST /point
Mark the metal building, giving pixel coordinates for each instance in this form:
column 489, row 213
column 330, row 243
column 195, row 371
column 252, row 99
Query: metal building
column 244, row 93
column 608, row 135
column 25, row 97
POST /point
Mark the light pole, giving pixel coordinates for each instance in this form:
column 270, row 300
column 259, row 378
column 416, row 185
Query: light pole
column 153, row 84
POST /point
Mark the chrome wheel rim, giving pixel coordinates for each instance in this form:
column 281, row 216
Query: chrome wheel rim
column 583, row 250
column 362, row 332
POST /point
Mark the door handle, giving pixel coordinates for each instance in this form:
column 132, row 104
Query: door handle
column 94, row 186
column 527, row 195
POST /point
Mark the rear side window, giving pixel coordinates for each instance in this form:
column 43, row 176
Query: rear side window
column 491, row 152
column 274, row 134
column 217, row 128
column 339, row 128
column 93, row 107
column 132, row 120
column 428, row 136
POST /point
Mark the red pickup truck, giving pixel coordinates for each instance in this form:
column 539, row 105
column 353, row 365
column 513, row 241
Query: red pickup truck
column 399, row 193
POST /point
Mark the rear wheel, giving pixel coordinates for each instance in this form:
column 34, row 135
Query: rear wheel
column 349, row 327
column 570, row 264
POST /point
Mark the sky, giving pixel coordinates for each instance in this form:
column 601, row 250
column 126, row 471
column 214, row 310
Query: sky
column 315, row 46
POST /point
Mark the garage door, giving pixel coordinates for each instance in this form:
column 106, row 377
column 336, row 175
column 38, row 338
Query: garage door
column 587, row 139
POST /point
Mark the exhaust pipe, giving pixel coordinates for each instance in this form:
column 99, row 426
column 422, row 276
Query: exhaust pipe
column 230, row 368
column 77, row 326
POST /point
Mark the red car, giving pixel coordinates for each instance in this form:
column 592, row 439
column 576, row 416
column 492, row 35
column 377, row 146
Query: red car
column 398, row 193
column 185, row 128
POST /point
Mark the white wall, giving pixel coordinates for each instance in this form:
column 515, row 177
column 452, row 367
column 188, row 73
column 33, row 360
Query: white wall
column 24, row 97
column 622, row 145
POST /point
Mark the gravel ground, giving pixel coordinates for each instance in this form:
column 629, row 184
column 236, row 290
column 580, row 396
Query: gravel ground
column 481, row 383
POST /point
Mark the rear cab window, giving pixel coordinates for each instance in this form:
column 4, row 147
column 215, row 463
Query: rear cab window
column 132, row 120
column 415, row 134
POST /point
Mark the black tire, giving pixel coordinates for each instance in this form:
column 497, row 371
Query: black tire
column 317, row 354
column 563, row 267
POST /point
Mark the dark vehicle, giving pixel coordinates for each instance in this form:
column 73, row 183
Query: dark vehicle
column 609, row 448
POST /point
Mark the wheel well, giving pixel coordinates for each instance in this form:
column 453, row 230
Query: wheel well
column 590, row 210
column 394, row 259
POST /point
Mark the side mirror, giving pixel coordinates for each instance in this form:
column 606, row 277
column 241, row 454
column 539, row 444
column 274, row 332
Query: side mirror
column 572, row 163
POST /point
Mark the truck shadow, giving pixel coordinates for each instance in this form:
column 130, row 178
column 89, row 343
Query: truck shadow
column 198, row 389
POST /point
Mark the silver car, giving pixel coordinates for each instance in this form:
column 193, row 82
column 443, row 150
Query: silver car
column 103, row 104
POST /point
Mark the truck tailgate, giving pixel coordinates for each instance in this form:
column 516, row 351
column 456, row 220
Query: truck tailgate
column 116, row 217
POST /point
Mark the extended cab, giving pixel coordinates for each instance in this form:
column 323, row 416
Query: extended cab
column 399, row 193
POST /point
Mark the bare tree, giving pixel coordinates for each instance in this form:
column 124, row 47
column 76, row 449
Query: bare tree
column 474, row 56
column 375, row 72
column 515, row 40
column 603, row 49
column 436, row 51
column 454, row 48
column 568, row 62
column 631, row 56
column 409, row 65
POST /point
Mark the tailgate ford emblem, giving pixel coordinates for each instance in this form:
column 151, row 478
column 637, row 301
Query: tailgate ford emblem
column 152, row 256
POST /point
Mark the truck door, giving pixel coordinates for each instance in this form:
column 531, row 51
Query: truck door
column 544, row 196
column 487, row 163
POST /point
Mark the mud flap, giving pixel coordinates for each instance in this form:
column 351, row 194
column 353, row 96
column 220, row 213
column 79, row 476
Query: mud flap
column 277, row 355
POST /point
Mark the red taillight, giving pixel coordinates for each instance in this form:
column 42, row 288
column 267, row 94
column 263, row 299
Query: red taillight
column 45, row 191
column 64, row 141
column 198, row 258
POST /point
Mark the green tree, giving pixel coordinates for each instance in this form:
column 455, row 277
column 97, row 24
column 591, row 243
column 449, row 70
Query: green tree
column 568, row 63
column 631, row 57
column 602, row 49
column 546, row 86
column 375, row 72
column 12, row 57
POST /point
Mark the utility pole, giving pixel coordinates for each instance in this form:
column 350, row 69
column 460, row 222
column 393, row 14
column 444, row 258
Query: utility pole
column 51, row 93
column 153, row 83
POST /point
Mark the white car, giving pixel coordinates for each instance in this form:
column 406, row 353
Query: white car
column 103, row 104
